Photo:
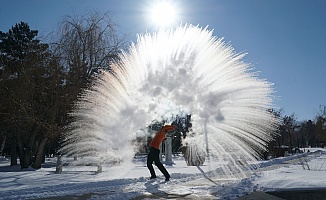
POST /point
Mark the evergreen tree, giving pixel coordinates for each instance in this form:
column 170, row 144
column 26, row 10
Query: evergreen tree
column 30, row 76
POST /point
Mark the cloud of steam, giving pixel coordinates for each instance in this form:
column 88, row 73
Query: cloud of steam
column 169, row 73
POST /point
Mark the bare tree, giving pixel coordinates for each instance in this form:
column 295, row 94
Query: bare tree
column 308, row 129
column 86, row 45
column 321, row 128
column 287, row 131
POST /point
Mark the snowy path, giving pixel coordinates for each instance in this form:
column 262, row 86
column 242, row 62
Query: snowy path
column 186, row 182
column 112, row 189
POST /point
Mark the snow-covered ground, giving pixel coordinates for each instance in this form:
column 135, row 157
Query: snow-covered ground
column 296, row 172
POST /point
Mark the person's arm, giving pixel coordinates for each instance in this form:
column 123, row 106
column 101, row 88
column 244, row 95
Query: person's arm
column 169, row 127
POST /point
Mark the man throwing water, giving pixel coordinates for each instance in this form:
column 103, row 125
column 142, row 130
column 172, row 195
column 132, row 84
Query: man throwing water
column 154, row 151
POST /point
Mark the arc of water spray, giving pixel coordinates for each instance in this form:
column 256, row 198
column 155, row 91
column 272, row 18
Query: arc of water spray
column 185, row 70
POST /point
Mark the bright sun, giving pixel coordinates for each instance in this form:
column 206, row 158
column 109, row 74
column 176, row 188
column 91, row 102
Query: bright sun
column 163, row 14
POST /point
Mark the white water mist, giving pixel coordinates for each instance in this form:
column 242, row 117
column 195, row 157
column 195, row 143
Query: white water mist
column 186, row 70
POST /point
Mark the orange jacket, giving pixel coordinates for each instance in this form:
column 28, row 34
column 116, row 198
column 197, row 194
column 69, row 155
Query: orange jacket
column 160, row 135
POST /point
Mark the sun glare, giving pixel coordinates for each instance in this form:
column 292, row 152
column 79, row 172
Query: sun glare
column 163, row 14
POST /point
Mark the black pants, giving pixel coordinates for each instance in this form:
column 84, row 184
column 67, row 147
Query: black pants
column 153, row 156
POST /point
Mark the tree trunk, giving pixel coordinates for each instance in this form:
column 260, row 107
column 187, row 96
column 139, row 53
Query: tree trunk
column 290, row 138
column 278, row 142
column 26, row 152
column 39, row 154
column 3, row 145
column 23, row 157
column 43, row 157
column 13, row 151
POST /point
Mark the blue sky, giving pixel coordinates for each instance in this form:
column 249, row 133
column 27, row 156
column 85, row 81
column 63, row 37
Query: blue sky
column 285, row 39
